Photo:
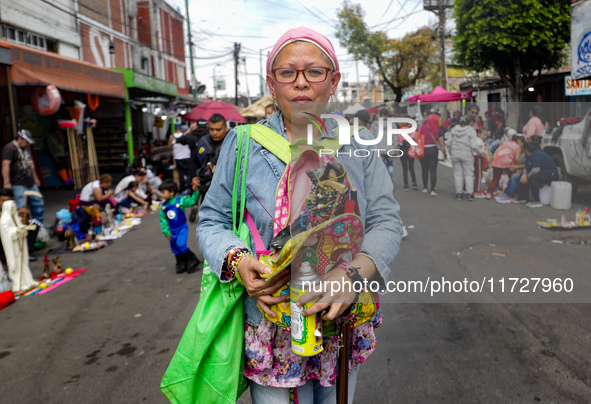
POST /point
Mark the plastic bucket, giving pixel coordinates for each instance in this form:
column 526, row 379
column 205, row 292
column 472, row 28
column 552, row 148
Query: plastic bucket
column 545, row 195
column 560, row 195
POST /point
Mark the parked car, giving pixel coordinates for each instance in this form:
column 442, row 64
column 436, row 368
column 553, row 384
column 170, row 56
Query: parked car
column 570, row 148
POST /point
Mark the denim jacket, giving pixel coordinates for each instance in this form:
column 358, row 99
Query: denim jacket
column 379, row 211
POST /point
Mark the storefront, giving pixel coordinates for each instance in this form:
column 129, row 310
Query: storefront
column 147, row 110
column 95, row 87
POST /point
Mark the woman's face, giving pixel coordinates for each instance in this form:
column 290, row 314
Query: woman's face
column 302, row 95
column 106, row 185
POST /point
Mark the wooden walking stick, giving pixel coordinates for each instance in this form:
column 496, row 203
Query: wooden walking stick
column 73, row 155
column 343, row 379
column 92, row 158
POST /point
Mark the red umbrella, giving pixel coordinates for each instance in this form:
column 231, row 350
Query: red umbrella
column 205, row 111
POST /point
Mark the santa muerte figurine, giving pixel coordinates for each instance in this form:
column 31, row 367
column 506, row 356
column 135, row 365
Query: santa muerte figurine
column 57, row 264
column 46, row 270
column 70, row 239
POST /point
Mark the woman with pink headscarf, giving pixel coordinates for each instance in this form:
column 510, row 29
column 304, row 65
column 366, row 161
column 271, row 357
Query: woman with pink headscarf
column 302, row 74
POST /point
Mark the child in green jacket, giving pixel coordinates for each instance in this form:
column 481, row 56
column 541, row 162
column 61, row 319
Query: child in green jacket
column 174, row 225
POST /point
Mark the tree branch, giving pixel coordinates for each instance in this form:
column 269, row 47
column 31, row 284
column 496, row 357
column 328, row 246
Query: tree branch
column 394, row 88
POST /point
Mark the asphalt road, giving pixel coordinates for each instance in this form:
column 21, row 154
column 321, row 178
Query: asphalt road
column 108, row 336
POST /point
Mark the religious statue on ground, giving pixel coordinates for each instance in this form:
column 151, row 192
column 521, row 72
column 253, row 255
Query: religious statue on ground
column 14, row 241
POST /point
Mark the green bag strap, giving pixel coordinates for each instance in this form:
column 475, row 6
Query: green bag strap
column 272, row 141
column 243, row 187
column 242, row 138
column 282, row 148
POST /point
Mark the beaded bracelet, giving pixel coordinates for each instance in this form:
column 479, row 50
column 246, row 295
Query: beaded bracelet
column 231, row 262
column 235, row 262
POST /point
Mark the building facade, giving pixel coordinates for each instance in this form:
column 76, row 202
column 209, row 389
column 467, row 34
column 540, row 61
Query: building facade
column 141, row 42
column 144, row 36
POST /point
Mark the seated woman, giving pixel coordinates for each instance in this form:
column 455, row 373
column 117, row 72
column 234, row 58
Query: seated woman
column 129, row 196
column 505, row 159
column 97, row 192
column 539, row 170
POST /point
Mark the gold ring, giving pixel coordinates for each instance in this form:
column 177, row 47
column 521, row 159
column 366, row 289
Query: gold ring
column 263, row 292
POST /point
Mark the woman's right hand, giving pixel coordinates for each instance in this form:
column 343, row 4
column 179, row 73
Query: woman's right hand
column 250, row 270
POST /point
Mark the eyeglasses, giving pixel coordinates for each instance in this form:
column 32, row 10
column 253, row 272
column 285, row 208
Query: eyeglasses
column 285, row 75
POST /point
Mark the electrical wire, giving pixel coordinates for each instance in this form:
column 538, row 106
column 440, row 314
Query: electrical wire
column 212, row 57
column 386, row 12
column 395, row 15
column 316, row 15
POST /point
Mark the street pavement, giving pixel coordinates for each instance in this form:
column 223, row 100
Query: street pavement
column 108, row 336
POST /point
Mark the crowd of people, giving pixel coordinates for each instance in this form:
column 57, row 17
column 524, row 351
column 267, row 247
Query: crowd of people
column 482, row 151
column 195, row 152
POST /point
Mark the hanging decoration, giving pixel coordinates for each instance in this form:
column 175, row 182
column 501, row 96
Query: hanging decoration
column 46, row 100
column 93, row 101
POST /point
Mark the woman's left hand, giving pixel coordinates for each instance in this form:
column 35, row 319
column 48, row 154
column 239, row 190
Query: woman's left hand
column 336, row 301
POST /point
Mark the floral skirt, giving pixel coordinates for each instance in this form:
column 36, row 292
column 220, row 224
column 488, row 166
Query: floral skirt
column 269, row 360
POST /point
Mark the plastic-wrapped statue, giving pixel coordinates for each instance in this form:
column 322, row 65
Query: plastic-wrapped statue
column 14, row 240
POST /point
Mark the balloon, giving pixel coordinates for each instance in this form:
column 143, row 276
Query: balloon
column 46, row 100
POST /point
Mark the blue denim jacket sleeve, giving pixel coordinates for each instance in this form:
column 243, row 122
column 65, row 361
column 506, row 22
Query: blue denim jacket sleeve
column 214, row 231
column 380, row 211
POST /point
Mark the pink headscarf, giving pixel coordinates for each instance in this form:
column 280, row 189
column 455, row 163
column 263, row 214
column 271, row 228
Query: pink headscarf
column 303, row 34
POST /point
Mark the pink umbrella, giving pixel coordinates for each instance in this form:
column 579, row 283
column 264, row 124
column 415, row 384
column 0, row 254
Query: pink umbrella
column 205, row 111
column 441, row 95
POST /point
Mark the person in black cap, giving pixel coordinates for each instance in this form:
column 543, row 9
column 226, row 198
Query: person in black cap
column 198, row 130
column 18, row 174
column 363, row 118
column 193, row 134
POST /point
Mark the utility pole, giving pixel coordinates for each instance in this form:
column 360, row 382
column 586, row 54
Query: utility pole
column 246, row 78
column 215, row 84
column 438, row 7
column 442, row 39
column 236, row 59
column 261, row 71
column 193, row 81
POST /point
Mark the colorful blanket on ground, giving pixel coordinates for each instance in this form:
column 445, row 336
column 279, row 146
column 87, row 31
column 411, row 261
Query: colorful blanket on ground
column 50, row 283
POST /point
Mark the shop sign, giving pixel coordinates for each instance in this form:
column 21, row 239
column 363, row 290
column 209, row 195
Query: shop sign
column 154, row 84
column 581, row 40
column 138, row 80
column 576, row 87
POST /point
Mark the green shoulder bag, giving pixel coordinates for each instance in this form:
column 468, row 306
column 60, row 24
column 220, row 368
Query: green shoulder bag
column 208, row 365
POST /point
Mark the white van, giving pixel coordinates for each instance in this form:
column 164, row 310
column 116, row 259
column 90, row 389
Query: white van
column 570, row 148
